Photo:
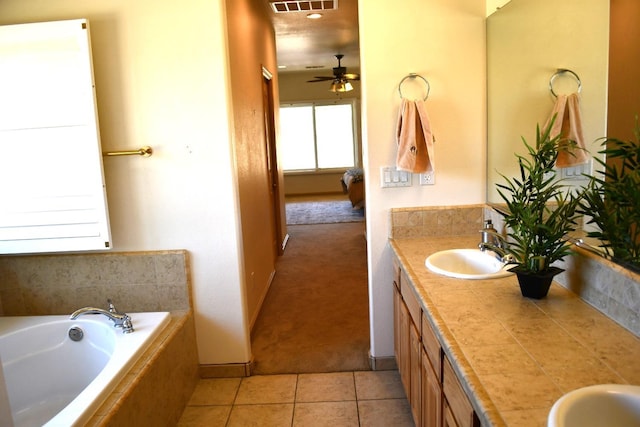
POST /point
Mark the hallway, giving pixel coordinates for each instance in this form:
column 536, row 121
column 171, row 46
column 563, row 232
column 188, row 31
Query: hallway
column 310, row 346
column 315, row 317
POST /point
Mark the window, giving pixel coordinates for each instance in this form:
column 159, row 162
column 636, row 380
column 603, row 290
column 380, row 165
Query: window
column 51, row 177
column 315, row 136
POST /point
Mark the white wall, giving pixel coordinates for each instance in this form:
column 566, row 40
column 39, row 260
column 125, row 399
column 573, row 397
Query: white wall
column 444, row 41
column 162, row 80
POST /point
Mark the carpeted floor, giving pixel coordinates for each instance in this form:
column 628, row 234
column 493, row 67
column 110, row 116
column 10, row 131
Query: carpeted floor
column 330, row 210
column 315, row 317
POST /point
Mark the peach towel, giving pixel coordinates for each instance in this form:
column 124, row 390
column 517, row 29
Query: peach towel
column 414, row 138
column 568, row 125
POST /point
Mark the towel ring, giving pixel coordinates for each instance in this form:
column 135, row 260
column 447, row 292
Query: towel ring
column 413, row 76
column 562, row 71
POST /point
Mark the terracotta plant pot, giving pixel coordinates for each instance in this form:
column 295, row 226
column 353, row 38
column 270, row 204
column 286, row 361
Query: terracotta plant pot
column 536, row 285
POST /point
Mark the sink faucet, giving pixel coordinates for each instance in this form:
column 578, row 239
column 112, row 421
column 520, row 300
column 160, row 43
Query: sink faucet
column 120, row 320
column 495, row 242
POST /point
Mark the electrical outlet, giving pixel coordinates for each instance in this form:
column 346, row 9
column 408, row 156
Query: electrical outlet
column 428, row 178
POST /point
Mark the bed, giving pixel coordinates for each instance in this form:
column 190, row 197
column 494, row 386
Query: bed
column 353, row 184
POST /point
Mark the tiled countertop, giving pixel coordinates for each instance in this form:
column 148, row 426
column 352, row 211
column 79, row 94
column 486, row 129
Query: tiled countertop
column 516, row 356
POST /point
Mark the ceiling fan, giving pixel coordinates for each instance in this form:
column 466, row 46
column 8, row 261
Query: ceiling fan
column 340, row 79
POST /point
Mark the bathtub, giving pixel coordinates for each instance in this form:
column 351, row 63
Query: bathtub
column 52, row 380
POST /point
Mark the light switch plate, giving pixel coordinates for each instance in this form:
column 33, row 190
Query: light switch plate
column 391, row 177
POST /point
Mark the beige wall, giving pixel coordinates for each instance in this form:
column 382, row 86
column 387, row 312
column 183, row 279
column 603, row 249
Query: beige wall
column 444, row 41
column 527, row 42
column 313, row 183
column 161, row 78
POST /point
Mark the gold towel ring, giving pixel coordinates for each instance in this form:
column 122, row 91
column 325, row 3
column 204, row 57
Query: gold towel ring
column 562, row 71
column 413, row 76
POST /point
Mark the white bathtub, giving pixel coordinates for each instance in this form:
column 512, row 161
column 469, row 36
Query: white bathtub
column 52, row 380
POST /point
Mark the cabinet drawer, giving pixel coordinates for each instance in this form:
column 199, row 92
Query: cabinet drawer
column 456, row 398
column 431, row 346
column 410, row 300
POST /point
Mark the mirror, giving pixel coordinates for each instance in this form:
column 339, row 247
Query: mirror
column 527, row 42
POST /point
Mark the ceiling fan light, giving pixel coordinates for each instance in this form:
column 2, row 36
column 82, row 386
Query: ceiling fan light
column 340, row 86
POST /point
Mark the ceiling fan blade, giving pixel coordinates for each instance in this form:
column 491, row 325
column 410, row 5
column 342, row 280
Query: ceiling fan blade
column 320, row 79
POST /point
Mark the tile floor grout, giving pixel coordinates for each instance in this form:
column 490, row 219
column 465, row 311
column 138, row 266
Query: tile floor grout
column 373, row 398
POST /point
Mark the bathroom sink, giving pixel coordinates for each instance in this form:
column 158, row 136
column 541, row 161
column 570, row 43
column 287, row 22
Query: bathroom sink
column 611, row 405
column 467, row 264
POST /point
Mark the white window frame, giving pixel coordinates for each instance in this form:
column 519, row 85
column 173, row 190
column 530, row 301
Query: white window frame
column 354, row 127
column 52, row 183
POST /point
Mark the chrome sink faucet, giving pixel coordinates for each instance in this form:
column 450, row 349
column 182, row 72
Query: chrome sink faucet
column 494, row 241
column 120, row 320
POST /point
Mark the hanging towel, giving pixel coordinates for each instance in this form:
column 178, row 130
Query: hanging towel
column 414, row 138
column 568, row 125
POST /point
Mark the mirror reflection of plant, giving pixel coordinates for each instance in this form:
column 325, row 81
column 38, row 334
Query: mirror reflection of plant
column 542, row 210
column 612, row 200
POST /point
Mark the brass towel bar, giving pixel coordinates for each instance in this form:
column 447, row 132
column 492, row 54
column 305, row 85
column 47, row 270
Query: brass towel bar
column 145, row 151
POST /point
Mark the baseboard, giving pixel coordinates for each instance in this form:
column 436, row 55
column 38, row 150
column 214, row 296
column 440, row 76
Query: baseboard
column 285, row 241
column 230, row 370
column 262, row 297
column 383, row 363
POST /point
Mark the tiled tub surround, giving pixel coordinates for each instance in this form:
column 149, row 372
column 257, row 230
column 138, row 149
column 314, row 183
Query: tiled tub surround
column 515, row 356
column 59, row 284
column 158, row 387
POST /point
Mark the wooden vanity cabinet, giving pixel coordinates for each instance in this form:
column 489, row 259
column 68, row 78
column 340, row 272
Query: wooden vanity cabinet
column 431, row 376
column 431, row 402
column 408, row 342
column 456, row 400
column 432, row 388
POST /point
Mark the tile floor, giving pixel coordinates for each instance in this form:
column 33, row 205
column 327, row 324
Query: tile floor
column 341, row 399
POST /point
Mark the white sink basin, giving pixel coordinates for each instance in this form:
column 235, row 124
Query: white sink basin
column 467, row 264
column 610, row 405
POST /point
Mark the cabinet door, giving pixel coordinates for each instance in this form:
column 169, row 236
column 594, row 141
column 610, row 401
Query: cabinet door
column 431, row 395
column 456, row 398
column 448, row 420
column 415, row 362
column 397, row 300
column 403, row 342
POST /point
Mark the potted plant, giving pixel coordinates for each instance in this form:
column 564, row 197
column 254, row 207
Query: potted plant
column 540, row 213
column 612, row 201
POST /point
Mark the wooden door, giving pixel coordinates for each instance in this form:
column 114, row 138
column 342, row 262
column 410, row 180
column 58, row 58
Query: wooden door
column 272, row 159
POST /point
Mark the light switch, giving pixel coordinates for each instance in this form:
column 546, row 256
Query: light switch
column 391, row 177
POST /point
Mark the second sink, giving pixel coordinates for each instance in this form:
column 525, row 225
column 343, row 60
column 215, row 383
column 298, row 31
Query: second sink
column 467, row 264
column 611, row 405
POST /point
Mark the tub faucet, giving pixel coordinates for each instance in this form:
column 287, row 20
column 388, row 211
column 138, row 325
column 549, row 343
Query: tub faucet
column 120, row 320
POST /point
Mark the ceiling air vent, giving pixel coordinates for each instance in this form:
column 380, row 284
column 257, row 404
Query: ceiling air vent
column 303, row 6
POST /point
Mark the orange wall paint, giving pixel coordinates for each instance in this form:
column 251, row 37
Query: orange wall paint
column 251, row 42
column 624, row 69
